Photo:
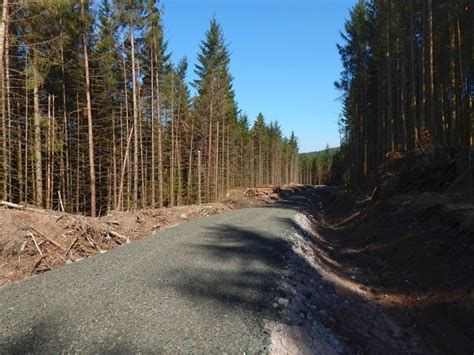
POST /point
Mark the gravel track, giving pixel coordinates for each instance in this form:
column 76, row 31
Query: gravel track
column 201, row 287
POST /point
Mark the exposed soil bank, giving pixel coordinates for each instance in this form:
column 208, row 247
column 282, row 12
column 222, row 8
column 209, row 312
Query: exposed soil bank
column 393, row 276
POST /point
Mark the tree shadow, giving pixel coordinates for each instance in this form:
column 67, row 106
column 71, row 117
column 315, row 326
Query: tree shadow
column 239, row 267
column 48, row 335
column 227, row 276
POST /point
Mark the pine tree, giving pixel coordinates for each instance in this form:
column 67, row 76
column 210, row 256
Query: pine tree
column 214, row 104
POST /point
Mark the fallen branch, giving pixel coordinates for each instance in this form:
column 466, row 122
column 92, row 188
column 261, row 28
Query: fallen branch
column 36, row 244
column 37, row 263
column 60, row 201
column 58, row 218
column 21, row 207
column 12, row 205
column 52, row 241
column 456, row 182
column 59, row 255
column 89, row 239
column 70, row 246
column 124, row 239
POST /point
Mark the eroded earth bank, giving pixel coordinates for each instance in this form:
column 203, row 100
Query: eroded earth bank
column 377, row 276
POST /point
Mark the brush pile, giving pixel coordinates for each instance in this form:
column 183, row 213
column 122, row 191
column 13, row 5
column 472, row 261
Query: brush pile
column 46, row 240
column 34, row 240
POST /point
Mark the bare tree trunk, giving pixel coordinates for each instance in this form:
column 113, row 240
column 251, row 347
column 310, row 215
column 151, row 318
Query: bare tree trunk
column 390, row 119
column 260, row 162
column 228, row 164
column 178, row 150
column 114, row 163
column 26, row 127
column 127, row 116
column 65, row 143
column 159, row 133
column 37, row 121
column 431, row 120
column 143, row 196
column 153, row 113
column 89, row 119
column 190, row 166
column 124, row 168
column 209, row 150
column 413, row 126
column 453, row 124
column 172, row 167
column 48, row 157
column 199, row 201
column 216, row 166
column 78, row 152
column 135, row 118
column 222, row 169
column 3, row 35
column 423, row 80
column 8, row 142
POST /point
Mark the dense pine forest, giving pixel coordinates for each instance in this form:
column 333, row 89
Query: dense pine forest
column 95, row 116
column 407, row 84
column 316, row 168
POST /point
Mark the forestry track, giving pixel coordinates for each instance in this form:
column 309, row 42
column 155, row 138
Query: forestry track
column 204, row 286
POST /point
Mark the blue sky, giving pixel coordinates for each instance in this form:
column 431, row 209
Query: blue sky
column 283, row 57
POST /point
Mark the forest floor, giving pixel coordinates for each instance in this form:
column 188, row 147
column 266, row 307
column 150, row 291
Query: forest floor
column 386, row 276
column 33, row 241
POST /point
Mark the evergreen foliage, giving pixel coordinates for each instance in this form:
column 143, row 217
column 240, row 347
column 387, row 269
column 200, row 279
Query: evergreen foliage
column 94, row 115
column 407, row 83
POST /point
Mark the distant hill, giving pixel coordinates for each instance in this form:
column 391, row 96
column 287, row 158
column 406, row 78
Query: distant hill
column 331, row 151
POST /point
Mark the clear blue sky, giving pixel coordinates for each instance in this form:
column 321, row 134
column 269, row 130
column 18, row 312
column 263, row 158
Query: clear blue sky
column 283, row 57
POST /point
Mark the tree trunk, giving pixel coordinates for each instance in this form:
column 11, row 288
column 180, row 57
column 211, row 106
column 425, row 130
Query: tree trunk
column 190, row 166
column 159, row 133
column 124, row 168
column 3, row 35
column 89, row 119
column 37, row 122
column 153, row 113
column 172, row 158
column 199, row 201
column 135, row 119
column 431, row 119
column 413, row 125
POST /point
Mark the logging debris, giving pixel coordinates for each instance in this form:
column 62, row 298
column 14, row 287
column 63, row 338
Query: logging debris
column 33, row 240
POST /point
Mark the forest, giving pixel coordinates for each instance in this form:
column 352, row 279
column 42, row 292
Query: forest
column 95, row 115
column 316, row 168
column 144, row 211
column 407, row 86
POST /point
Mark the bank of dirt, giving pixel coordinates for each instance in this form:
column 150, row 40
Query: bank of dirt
column 388, row 276
column 33, row 241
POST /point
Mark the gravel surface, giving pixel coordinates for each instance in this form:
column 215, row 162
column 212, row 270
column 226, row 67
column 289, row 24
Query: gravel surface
column 204, row 286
